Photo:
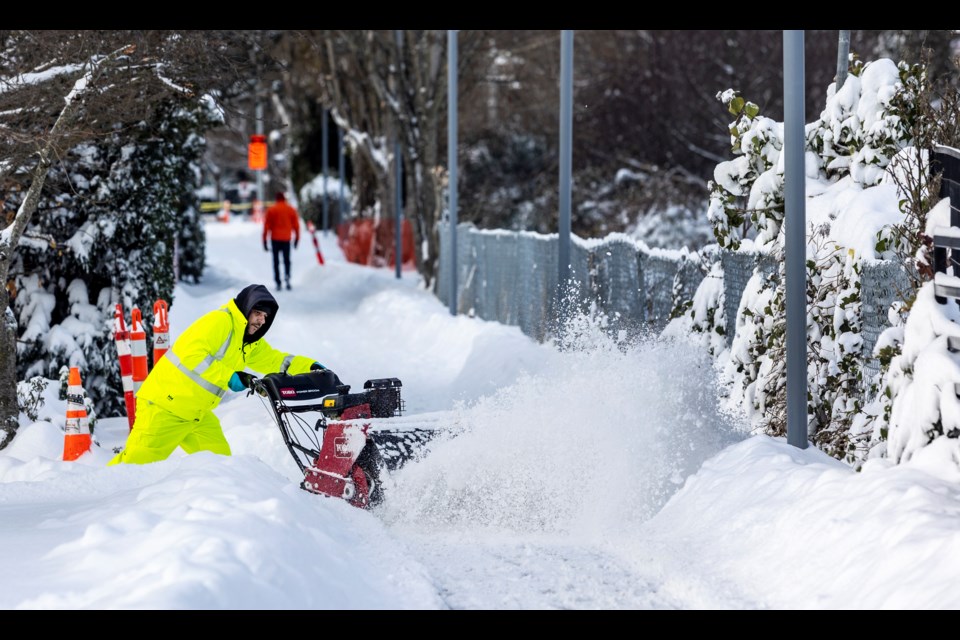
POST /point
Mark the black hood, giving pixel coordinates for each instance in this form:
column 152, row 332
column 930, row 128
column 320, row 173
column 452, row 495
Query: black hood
column 259, row 297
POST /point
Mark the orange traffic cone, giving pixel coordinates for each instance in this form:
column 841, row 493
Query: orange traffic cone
column 76, row 440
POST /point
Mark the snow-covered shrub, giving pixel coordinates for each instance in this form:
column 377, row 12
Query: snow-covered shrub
column 861, row 143
column 917, row 415
column 746, row 196
column 703, row 317
column 834, row 360
column 30, row 396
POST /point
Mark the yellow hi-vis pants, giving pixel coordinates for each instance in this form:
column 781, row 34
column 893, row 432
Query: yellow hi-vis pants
column 157, row 433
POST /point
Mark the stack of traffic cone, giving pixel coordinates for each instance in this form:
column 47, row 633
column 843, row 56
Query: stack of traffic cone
column 76, row 440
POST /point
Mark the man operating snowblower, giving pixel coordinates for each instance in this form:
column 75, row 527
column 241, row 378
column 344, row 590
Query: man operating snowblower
column 176, row 401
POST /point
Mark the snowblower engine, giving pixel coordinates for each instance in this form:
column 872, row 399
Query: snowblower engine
column 379, row 399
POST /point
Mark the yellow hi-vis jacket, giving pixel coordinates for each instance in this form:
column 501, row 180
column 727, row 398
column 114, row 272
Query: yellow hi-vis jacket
column 193, row 376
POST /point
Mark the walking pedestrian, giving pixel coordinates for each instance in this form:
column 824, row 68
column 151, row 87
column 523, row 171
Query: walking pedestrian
column 281, row 223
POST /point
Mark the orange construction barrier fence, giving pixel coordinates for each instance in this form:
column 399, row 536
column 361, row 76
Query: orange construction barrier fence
column 374, row 244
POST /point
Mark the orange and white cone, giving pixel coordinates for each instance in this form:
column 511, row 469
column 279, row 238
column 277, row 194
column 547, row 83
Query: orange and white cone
column 76, row 439
column 121, row 336
column 161, row 330
column 138, row 349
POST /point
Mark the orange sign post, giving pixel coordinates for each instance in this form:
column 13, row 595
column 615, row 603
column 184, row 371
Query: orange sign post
column 257, row 153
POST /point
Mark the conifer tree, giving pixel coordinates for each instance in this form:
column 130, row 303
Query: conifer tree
column 108, row 235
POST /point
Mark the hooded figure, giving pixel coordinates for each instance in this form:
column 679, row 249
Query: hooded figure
column 176, row 401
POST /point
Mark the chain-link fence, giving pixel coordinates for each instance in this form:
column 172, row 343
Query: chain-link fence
column 511, row 277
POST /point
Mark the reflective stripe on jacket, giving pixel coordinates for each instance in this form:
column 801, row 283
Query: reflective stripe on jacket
column 192, row 377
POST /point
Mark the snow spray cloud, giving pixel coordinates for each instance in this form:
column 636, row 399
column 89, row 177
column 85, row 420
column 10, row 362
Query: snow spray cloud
column 598, row 443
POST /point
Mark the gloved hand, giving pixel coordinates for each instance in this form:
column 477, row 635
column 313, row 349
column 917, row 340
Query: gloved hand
column 239, row 381
column 316, row 366
column 265, row 247
column 296, row 242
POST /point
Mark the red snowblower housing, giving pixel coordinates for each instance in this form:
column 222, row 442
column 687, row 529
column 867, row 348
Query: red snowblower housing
column 333, row 448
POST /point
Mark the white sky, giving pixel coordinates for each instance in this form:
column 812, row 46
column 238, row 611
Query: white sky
column 593, row 478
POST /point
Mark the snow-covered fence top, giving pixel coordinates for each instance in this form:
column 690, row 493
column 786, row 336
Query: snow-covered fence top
column 511, row 277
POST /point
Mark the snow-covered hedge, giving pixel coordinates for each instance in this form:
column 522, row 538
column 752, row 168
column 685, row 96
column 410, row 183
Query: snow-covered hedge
column 858, row 210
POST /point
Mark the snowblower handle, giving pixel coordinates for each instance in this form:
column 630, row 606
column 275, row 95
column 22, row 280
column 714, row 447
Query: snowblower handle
column 256, row 385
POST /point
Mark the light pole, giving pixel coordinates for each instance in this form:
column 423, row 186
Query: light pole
column 452, row 161
column 795, row 249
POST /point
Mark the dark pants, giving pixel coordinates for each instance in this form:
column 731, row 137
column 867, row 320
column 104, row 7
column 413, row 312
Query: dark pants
column 281, row 247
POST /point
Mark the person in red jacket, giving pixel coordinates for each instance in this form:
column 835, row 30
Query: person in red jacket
column 281, row 223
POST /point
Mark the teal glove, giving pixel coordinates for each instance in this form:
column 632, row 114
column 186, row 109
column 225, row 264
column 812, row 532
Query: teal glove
column 316, row 366
column 239, row 381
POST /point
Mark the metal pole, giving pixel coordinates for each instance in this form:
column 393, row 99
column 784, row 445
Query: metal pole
column 796, row 245
column 325, row 157
column 452, row 161
column 259, row 172
column 566, row 155
column 397, row 255
column 341, row 164
column 399, row 206
column 843, row 58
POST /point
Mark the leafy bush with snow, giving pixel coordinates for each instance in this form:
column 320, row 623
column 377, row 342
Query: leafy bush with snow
column 868, row 193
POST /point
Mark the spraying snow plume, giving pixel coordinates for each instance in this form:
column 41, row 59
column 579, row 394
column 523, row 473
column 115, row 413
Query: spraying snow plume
column 598, row 442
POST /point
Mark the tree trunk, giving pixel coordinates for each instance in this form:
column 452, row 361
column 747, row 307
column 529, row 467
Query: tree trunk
column 9, row 410
column 422, row 101
column 426, row 213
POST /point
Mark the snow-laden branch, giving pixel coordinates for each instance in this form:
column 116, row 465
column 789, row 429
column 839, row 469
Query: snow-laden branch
column 10, row 236
column 24, row 80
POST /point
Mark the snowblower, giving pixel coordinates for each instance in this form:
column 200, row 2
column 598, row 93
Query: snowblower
column 332, row 435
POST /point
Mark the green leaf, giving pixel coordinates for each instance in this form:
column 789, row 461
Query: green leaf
column 736, row 106
column 752, row 110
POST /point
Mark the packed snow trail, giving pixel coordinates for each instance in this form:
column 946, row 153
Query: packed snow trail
column 551, row 460
column 535, row 495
